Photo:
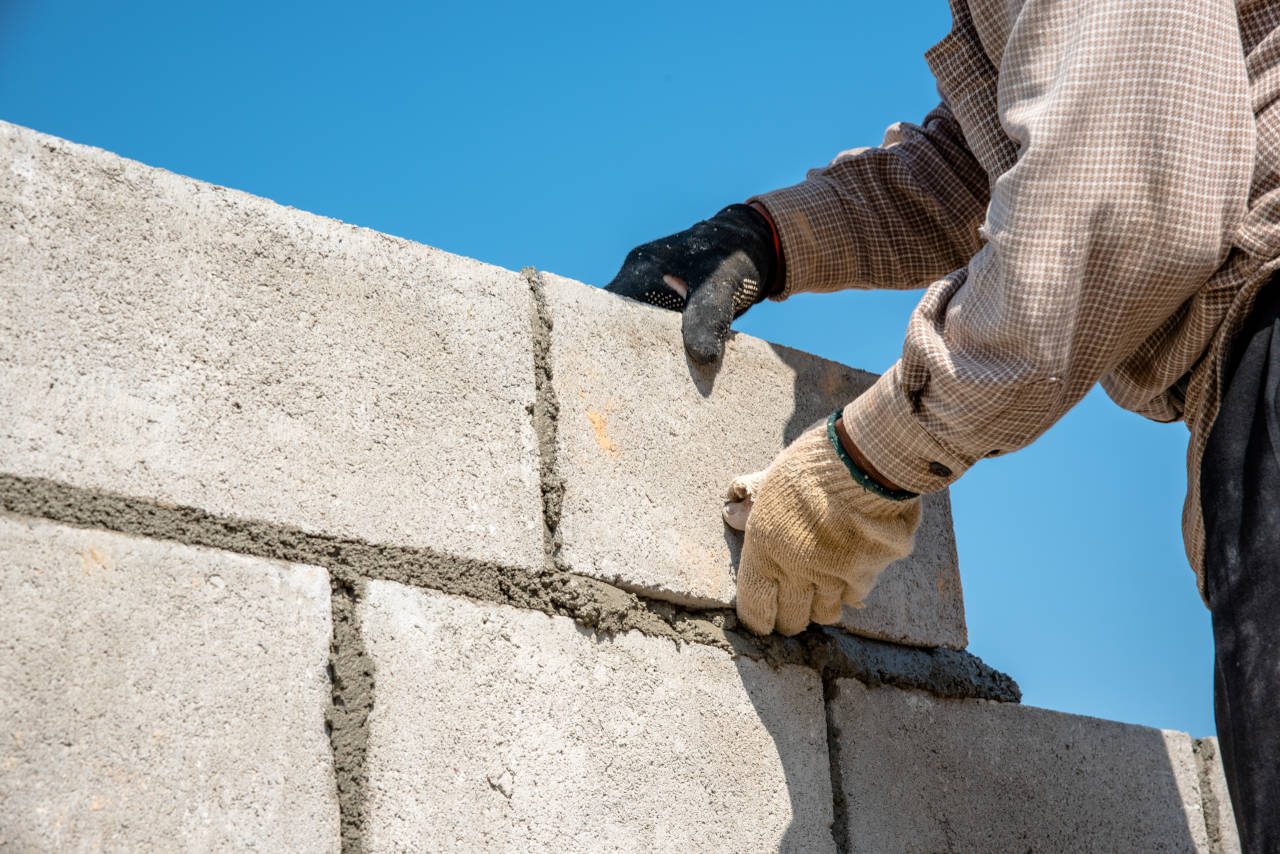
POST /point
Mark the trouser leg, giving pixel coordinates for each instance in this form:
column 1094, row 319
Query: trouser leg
column 1240, row 490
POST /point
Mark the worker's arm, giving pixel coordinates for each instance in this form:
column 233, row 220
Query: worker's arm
column 1135, row 140
column 1136, row 143
column 896, row 216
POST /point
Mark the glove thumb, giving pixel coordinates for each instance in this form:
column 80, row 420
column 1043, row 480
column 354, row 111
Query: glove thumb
column 706, row 319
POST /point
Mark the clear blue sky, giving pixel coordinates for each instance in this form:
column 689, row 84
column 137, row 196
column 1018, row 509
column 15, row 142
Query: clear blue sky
column 560, row 135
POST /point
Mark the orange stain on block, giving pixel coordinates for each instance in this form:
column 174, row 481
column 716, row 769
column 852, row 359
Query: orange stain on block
column 93, row 558
column 600, row 428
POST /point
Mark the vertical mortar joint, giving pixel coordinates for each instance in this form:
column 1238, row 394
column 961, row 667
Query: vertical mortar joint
column 839, row 804
column 1203, row 751
column 546, row 413
column 351, row 701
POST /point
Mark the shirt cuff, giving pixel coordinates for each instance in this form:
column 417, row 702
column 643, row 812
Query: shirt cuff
column 883, row 425
column 807, row 217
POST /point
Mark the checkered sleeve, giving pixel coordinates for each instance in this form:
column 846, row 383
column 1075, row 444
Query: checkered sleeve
column 1134, row 137
column 896, row 216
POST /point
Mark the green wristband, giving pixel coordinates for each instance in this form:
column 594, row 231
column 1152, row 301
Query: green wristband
column 864, row 480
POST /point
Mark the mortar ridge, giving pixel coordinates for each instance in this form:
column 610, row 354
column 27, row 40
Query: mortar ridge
column 591, row 603
column 545, row 414
column 1203, row 751
column 839, row 802
column 351, row 681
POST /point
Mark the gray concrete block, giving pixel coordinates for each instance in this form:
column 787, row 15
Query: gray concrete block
column 647, row 446
column 495, row 729
column 920, row 774
column 159, row 696
column 1219, row 819
column 167, row 339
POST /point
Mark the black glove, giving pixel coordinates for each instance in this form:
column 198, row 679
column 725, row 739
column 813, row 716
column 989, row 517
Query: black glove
column 728, row 264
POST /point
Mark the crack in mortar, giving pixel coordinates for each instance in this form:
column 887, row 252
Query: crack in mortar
column 546, row 414
column 839, row 802
column 593, row 604
column 351, row 679
column 1204, row 752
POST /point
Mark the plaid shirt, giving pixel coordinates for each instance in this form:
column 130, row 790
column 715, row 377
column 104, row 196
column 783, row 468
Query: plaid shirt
column 1097, row 198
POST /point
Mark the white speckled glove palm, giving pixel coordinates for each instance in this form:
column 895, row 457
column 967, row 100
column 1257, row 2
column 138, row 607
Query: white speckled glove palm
column 816, row 538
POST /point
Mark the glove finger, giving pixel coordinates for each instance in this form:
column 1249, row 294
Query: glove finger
column 641, row 279
column 745, row 487
column 857, row 590
column 742, row 497
column 828, row 604
column 736, row 514
column 634, row 276
column 707, row 316
column 757, row 603
column 795, row 604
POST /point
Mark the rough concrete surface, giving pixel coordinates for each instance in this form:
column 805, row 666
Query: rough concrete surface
column 1219, row 819
column 181, row 342
column 919, row 774
column 647, row 445
column 495, row 729
column 158, row 695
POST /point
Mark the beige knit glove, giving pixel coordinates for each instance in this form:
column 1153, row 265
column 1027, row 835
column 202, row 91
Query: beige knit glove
column 816, row 538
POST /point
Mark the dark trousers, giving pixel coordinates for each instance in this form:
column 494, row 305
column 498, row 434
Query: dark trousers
column 1240, row 492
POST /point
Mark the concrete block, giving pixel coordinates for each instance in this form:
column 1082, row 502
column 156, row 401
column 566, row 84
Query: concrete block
column 159, row 696
column 647, row 446
column 167, row 339
column 1219, row 819
column 920, row 774
column 496, row 729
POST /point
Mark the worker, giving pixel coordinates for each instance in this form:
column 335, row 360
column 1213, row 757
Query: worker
column 1095, row 199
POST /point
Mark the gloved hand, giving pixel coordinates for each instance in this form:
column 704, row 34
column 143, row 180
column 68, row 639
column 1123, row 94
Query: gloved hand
column 712, row 272
column 816, row 538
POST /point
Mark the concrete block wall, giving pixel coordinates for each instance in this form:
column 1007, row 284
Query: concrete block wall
column 316, row 539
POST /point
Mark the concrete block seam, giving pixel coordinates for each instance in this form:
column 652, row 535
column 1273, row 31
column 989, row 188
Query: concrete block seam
column 593, row 604
column 839, row 801
column 546, row 415
column 351, row 679
column 1206, row 754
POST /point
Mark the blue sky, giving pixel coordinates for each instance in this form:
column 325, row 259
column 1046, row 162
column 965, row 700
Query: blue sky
column 562, row 134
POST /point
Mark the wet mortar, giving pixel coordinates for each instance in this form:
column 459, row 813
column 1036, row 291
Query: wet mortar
column 593, row 604
column 351, row 680
column 1205, row 752
column 546, row 413
column 839, row 802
